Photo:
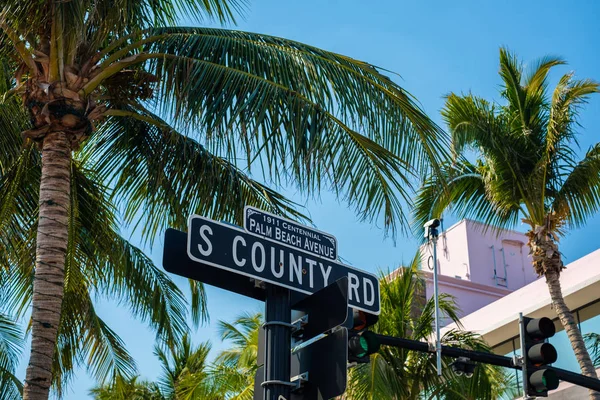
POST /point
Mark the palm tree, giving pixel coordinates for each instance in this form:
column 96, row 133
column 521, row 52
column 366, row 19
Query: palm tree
column 99, row 262
column 528, row 168
column 237, row 365
column 592, row 340
column 127, row 389
column 243, row 333
column 395, row 373
column 11, row 343
column 108, row 95
column 186, row 374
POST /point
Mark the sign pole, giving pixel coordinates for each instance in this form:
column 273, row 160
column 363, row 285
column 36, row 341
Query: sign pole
column 438, row 341
column 524, row 374
column 431, row 234
column 278, row 329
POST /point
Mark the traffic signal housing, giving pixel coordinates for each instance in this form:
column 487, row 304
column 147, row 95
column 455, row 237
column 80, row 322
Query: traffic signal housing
column 537, row 354
column 361, row 342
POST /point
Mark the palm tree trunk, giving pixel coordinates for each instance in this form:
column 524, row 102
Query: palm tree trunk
column 547, row 261
column 574, row 334
column 48, row 284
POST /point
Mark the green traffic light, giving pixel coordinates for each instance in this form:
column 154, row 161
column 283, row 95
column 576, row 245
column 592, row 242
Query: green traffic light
column 364, row 345
column 543, row 380
column 550, row 381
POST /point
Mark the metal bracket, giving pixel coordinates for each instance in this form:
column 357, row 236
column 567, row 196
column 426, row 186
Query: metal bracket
column 299, row 381
column 258, row 283
column 298, row 330
column 517, row 361
column 279, row 323
column 296, row 383
column 276, row 382
column 299, row 325
column 432, row 347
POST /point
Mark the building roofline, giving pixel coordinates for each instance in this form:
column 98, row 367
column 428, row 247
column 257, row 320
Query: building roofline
column 465, row 220
column 498, row 320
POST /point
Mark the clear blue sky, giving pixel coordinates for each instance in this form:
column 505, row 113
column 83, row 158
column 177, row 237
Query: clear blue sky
column 437, row 47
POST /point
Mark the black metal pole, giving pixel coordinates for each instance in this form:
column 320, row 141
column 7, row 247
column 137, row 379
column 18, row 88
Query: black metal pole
column 278, row 336
column 486, row 358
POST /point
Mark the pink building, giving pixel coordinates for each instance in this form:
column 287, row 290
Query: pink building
column 478, row 265
column 490, row 274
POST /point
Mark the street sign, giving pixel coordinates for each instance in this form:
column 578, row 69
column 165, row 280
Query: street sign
column 290, row 233
column 177, row 261
column 226, row 247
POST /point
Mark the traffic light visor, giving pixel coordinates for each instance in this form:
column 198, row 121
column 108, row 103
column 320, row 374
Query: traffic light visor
column 541, row 328
column 363, row 347
column 542, row 353
column 364, row 344
column 543, row 380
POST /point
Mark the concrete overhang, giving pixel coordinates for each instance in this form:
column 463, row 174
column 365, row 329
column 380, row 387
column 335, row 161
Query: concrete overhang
column 465, row 285
column 498, row 321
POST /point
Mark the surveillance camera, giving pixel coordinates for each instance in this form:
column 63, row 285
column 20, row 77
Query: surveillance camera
column 463, row 366
column 430, row 228
column 432, row 223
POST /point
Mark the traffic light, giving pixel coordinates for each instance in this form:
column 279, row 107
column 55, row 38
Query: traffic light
column 361, row 342
column 537, row 353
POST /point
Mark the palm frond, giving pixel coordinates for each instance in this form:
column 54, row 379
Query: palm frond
column 303, row 113
column 151, row 295
column 536, row 103
column 85, row 339
column 11, row 387
column 121, row 388
column 467, row 193
column 119, row 268
column 511, row 70
column 97, row 21
column 511, row 151
column 579, row 196
column 18, row 210
column 536, row 79
column 11, row 345
column 472, row 122
column 98, row 259
column 569, row 95
column 162, row 176
column 185, row 372
column 13, row 121
column 400, row 373
column 198, row 305
column 592, row 341
column 243, row 333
